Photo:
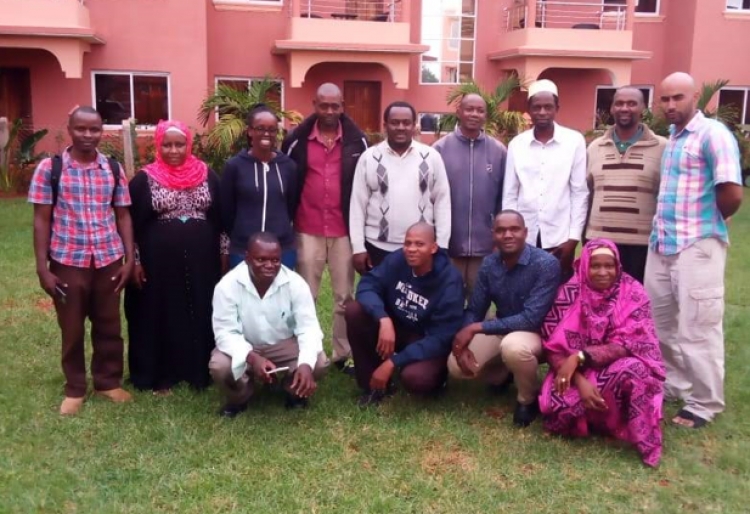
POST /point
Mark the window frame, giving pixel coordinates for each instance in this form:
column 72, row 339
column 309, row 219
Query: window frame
column 458, row 62
column 649, row 103
column 248, row 5
column 745, row 103
column 623, row 3
column 738, row 10
column 657, row 12
column 132, row 74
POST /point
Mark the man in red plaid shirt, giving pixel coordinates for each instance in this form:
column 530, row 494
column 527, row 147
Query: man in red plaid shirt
column 79, row 243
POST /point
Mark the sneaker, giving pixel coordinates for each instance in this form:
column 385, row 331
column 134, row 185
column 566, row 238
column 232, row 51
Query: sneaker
column 292, row 401
column 371, row 399
column 118, row 395
column 345, row 366
column 232, row 410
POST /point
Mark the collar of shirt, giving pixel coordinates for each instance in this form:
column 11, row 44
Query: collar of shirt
column 621, row 145
column 387, row 148
column 70, row 162
column 460, row 135
column 243, row 278
column 523, row 260
column 692, row 126
column 315, row 135
column 558, row 136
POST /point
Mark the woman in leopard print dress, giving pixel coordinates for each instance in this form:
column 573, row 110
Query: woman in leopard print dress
column 176, row 220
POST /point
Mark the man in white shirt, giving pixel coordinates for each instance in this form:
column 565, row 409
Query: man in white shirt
column 264, row 320
column 545, row 178
column 397, row 183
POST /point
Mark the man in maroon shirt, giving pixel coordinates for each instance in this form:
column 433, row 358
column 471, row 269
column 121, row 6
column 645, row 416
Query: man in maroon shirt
column 326, row 147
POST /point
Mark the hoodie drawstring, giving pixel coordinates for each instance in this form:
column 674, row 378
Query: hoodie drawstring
column 278, row 175
column 266, row 168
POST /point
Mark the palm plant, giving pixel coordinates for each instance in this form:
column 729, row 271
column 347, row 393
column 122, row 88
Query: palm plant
column 231, row 105
column 501, row 124
column 17, row 151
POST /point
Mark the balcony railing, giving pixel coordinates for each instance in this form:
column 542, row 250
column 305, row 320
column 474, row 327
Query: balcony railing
column 358, row 10
column 568, row 15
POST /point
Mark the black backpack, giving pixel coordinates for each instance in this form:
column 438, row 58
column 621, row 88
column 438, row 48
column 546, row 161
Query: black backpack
column 57, row 173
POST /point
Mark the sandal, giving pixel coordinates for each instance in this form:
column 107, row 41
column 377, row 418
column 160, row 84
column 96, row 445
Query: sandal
column 685, row 415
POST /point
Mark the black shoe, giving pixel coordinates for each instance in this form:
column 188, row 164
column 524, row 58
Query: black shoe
column 231, row 410
column 292, row 401
column 525, row 414
column 371, row 399
column 345, row 366
column 502, row 387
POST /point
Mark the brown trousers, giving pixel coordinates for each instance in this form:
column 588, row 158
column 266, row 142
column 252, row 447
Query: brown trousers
column 469, row 268
column 282, row 354
column 90, row 294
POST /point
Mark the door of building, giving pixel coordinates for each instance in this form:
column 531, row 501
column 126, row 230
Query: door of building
column 15, row 94
column 362, row 104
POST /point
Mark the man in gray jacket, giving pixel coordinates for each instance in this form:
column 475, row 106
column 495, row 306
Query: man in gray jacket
column 475, row 165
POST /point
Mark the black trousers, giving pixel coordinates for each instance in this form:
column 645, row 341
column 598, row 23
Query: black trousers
column 633, row 260
column 422, row 378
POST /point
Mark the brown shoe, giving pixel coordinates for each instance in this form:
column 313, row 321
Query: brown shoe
column 118, row 395
column 71, row 406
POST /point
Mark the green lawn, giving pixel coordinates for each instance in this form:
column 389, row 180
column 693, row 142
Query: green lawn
column 458, row 454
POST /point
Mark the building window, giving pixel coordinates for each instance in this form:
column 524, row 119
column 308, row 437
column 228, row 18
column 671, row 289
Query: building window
column 641, row 6
column 246, row 4
column 738, row 5
column 429, row 122
column 142, row 96
column 605, row 95
column 736, row 99
column 647, row 6
column 449, row 29
column 244, row 84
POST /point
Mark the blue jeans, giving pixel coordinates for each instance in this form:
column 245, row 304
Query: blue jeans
column 288, row 258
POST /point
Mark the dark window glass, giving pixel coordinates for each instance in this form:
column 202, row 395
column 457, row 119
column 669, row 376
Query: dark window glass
column 151, row 102
column 113, row 98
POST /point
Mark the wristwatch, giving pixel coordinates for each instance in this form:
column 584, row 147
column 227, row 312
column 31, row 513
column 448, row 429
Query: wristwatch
column 581, row 359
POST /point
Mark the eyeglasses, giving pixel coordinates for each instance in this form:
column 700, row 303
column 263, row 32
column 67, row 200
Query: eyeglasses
column 266, row 130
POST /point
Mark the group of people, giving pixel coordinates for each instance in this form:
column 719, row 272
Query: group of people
column 465, row 250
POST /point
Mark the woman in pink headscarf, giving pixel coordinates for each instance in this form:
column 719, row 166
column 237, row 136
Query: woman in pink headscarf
column 177, row 226
column 606, row 371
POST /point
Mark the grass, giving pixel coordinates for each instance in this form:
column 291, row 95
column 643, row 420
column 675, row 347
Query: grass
column 456, row 454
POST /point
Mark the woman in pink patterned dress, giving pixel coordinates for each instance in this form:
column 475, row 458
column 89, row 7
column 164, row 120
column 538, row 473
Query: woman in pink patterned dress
column 606, row 371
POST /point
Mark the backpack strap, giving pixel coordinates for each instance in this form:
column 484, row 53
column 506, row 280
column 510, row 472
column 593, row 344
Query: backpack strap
column 56, row 173
column 114, row 166
column 54, row 178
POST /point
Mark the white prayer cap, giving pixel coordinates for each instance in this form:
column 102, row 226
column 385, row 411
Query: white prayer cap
column 542, row 86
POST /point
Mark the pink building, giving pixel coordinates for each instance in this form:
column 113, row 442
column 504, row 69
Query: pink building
column 154, row 59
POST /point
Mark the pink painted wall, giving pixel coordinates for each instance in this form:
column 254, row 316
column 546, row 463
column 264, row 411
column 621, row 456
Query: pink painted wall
column 168, row 36
column 577, row 90
column 431, row 97
column 649, row 36
column 194, row 43
column 240, row 42
column 719, row 48
column 52, row 95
